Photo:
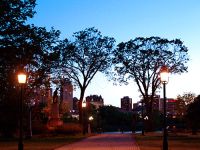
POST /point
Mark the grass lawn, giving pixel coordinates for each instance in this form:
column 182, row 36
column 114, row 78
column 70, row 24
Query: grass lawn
column 40, row 143
column 179, row 141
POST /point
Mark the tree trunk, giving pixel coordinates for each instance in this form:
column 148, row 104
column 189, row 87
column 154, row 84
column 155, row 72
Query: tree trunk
column 80, row 106
column 61, row 99
column 148, row 105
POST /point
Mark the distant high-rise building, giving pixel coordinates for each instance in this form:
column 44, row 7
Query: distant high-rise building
column 43, row 96
column 66, row 94
column 174, row 107
column 135, row 105
column 95, row 100
column 171, row 106
column 126, row 103
column 139, row 106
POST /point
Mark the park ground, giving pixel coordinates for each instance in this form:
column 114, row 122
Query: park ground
column 150, row 141
column 44, row 142
column 176, row 141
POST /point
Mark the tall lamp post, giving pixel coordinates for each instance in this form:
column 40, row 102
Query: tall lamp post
column 21, row 81
column 143, row 116
column 164, row 77
column 31, row 104
column 83, row 117
column 89, row 124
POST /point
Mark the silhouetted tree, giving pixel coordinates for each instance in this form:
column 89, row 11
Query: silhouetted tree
column 89, row 53
column 193, row 113
column 140, row 60
column 113, row 119
column 22, row 47
column 187, row 97
column 181, row 106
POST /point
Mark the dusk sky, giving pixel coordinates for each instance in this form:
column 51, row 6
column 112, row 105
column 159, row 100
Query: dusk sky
column 125, row 20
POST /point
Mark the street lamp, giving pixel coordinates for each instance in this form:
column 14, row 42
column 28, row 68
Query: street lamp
column 90, row 118
column 22, row 78
column 83, row 116
column 89, row 124
column 21, row 81
column 30, row 105
column 83, row 104
column 142, row 116
column 164, row 77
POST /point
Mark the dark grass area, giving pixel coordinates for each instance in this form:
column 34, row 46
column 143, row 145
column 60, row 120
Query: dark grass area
column 40, row 142
column 178, row 141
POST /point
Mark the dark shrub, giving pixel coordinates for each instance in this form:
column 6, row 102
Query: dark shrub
column 69, row 128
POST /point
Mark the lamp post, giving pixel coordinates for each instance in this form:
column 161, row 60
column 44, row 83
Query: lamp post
column 21, row 81
column 30, row 104
column 89, row 124
column 164, row 76
column 83, row 117
column 142, row 116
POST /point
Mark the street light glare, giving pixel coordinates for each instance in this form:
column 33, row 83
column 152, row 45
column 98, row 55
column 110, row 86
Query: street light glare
column 164, row 74
column 90, row 118
column 22, row 78
column 84, row 104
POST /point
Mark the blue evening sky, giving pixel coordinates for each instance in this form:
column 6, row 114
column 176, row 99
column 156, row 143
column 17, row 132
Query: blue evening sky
column 125, row 20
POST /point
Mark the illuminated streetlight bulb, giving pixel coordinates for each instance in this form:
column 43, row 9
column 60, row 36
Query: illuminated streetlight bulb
column 22, row 78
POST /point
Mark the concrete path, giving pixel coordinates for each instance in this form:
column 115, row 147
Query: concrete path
column 104, row 142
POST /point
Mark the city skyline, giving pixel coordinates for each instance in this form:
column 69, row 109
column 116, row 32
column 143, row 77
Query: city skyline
column 125, row 20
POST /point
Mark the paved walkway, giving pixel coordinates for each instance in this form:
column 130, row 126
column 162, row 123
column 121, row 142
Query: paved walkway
column 104, row 142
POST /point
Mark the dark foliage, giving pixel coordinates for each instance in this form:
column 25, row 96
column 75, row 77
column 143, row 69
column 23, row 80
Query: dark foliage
column 140, row 60
column 113, row 119
column 193, row 113
column 22, row 47
column 81, row 59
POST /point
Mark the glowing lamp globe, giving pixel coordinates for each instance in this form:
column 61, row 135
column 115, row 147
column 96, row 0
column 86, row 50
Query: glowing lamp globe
column 164, row 74
column 22, row 78
column 84, row 104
